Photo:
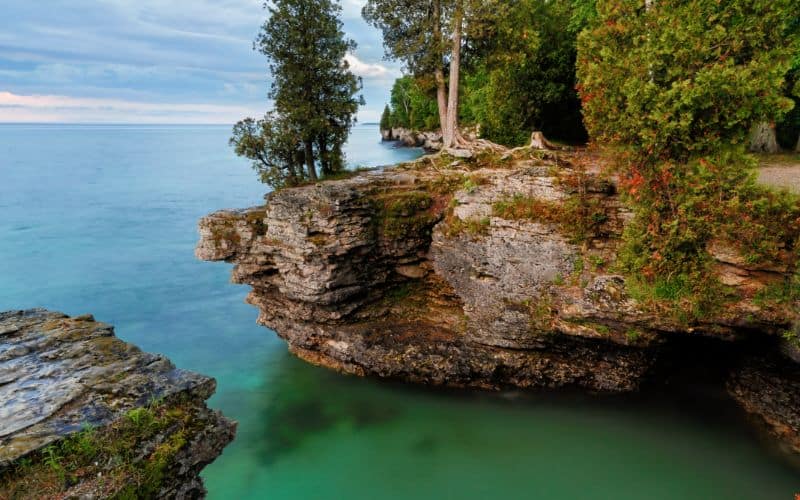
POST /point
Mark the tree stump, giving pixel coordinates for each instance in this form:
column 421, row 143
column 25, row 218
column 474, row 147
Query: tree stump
column 539, row 141
column 763, row 139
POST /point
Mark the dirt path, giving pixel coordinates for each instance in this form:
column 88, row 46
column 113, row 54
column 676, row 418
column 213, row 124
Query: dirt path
column 780, row 171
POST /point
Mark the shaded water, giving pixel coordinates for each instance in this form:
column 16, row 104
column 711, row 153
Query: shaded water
column 103, row 219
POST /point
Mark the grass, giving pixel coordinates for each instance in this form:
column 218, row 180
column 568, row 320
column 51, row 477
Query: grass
column 578, row 217
column 473, row 226
column 685, row 298
column 128, row 459
column 779, row 293
column 633, row 335
column 405, row 214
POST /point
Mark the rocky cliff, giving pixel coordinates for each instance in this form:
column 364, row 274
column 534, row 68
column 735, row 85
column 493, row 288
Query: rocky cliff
column 491, row 272
column 84, row 414
column 432, row 141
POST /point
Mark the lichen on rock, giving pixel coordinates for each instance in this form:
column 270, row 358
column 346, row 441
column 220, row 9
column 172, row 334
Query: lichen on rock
column 85, row 414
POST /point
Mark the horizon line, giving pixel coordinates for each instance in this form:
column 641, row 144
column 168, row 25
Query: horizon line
column 118, row 124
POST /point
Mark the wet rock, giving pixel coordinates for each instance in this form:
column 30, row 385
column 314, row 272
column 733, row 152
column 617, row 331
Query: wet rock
column 768, row 388
column 60, row 375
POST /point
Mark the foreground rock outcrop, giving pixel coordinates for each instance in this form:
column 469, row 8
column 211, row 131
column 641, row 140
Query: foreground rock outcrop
column 84, row 414
column 490, row 272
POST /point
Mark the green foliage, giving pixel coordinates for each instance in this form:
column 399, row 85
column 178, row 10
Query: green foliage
column 275, row 148
column 413, row 104
column 788, row 130
column 524, row 78
column 405, row 214
column 141, row 418
column 780, row 293
column 677, row 86
column 474, row 226
column 579, row 217
column 633, row 335
column 411, row 33
column 519, row 76
column 52, row 459
column 314, row 91
column 685, row 76
column 386, row 119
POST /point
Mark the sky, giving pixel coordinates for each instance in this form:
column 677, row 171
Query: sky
column 154, row 61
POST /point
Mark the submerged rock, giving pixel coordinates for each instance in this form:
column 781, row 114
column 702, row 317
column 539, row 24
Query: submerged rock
column 65, row 380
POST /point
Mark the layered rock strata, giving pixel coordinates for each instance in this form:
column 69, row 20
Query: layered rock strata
column 491, row 272
column 72, row 395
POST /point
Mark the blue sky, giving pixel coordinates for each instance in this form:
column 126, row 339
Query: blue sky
column 153, row 61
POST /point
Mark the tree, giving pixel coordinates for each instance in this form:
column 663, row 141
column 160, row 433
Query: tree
column 788, row 130
column 275, row 148
column 413, row 104
column 401, row 101
column 684, row 76
column 522, row 78
column 675, row 86
column 386, row 118
column 428, row 36
column 314, row 93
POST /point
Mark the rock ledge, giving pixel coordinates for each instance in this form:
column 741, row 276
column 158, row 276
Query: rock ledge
column 63, row 377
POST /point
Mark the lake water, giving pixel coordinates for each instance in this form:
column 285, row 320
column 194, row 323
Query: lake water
column 102, row 219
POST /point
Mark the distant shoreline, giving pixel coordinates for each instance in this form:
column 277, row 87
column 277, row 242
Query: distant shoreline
column 75, row 124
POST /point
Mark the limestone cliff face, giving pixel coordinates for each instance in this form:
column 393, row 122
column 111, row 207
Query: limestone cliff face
column 60, row 376
column 490, row 272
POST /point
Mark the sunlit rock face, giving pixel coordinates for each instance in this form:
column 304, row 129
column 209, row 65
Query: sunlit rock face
column 62, row 375
column 494, row 272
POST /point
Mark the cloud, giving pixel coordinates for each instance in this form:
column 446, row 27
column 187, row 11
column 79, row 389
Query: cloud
column 179, row 52
column 367, row 70
column 17, row 108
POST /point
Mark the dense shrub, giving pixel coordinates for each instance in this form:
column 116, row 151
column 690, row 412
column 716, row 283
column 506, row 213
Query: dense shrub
column 676, row 87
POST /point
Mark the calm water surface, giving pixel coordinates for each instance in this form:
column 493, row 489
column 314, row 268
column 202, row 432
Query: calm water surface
column 102, row 219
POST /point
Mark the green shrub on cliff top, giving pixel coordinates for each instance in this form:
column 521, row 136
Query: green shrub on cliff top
column 683, row 77
column 676, row 86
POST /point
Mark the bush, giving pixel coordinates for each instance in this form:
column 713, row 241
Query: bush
column 676, row 87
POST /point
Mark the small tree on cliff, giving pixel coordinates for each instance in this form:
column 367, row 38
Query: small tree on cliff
column 314, row 92
column 428, row 36
column 386, row 118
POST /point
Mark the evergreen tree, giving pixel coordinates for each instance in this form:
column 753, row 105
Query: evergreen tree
column 675, row 86
column 386, row 118
column 314, row 92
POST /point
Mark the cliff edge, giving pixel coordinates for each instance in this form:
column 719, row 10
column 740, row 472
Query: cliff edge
column 84, row 414
column 495, row 271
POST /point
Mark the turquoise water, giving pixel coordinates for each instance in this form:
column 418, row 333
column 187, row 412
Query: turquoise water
column 103, row 219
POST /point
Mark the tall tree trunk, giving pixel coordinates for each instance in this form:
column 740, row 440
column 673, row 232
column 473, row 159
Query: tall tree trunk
column 763, row 139
column 441, row 90
column 797, row 148
column 312, row 170
column 292, row 172
column 324, row 155
column 451, row 130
